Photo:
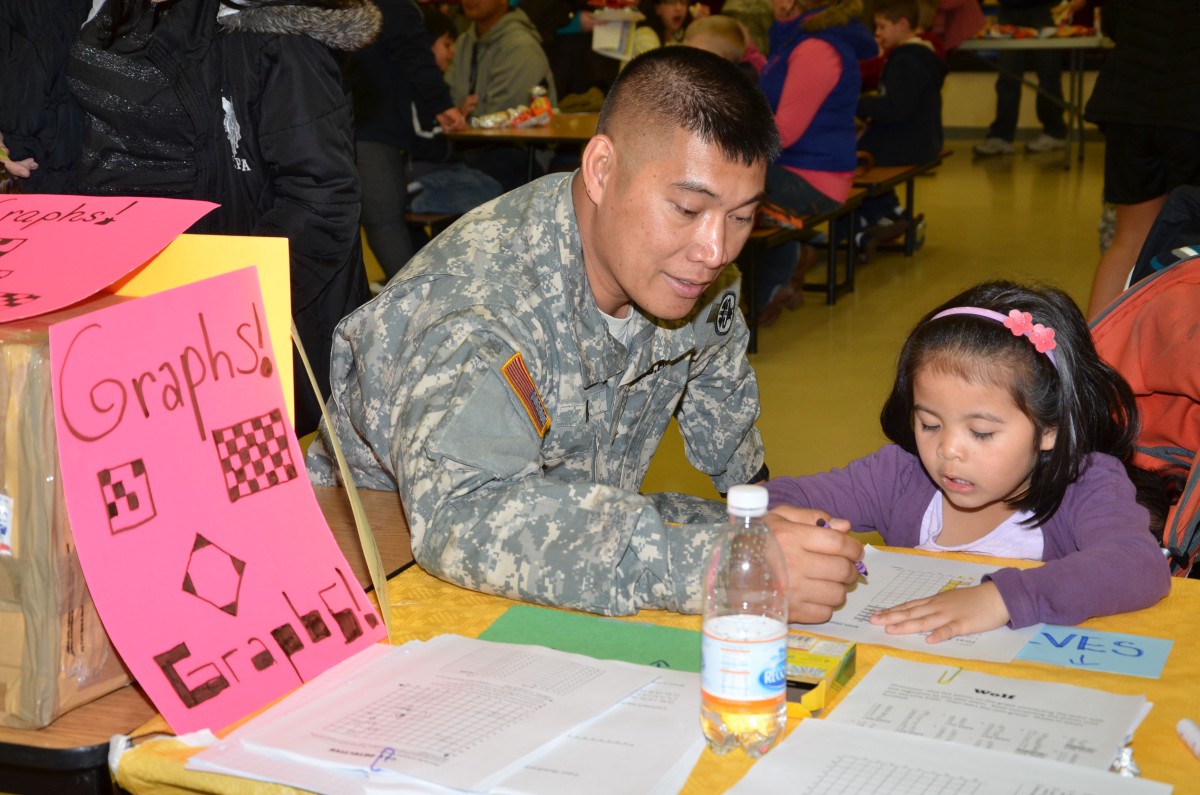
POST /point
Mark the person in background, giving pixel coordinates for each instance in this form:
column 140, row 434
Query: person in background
column 956, row 21
column 566, row 29
column 440, row 181
column 728, row 38
column 40, row 126
column 498, row 61
column 1011, row 65
column 1012, row 438
column 240, row 104
column 812, row 81
column 387, row 80
column 668, row 19
column 904, row 116
column 513, row 383
column 757, row 17
column 1145, row 102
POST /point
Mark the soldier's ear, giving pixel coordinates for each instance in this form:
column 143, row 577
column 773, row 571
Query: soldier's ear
column 597, row 166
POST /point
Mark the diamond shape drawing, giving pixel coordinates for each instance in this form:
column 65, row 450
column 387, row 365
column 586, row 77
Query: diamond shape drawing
column 214, row 575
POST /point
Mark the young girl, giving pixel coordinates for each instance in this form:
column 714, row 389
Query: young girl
column 1010, row 433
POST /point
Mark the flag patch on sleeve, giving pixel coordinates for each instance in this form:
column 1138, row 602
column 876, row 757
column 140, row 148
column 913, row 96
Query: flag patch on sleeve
column 518, row 378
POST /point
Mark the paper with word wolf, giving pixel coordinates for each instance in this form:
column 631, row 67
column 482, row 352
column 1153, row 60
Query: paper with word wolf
column 201, row 540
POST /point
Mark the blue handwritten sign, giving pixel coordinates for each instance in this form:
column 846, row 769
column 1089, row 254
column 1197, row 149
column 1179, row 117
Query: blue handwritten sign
column 1089, row 649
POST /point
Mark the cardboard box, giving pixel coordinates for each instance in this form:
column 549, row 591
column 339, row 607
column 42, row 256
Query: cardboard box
column 816, row 669
column 55, row 654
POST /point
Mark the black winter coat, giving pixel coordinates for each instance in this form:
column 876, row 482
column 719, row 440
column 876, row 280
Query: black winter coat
column 905, row 118
column 272, row 128
column 1152, row 77
column 38, row 118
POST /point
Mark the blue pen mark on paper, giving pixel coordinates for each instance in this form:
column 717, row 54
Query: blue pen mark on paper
column 386, row 755
column 1093, row 650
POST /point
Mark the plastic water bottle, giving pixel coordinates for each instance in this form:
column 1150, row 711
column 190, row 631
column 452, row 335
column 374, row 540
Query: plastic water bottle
column 743, row 668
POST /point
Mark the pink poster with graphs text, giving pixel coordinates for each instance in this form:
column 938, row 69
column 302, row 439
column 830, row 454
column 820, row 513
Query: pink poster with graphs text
column 204, row 548
column 56, row 250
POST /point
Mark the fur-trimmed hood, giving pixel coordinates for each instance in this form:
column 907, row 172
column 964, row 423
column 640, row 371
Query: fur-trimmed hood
column 832, row 14
column 348, row 28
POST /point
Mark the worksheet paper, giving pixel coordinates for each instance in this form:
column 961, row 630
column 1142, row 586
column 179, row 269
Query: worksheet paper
column 822, row 757
column 652, row 737
column 1046, row 720
column 896, row 578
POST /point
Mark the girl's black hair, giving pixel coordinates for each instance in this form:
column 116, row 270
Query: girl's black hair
column 437, row 24
column 654, row 21
column 1087, row 402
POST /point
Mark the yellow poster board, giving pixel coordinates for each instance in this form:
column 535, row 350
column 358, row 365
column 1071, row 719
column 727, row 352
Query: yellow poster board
column 190, row 258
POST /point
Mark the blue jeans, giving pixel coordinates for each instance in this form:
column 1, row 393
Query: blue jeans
column 452, row 188
column 791, row 190
column 382, row 173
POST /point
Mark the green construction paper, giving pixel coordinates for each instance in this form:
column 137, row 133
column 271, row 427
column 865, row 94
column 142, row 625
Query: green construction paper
column 595, row 636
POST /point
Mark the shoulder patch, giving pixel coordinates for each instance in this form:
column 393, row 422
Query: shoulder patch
column 522, row 385
column 723, row 321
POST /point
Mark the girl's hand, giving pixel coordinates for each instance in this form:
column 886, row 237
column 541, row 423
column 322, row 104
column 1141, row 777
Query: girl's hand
column 959, row 611
column 467, row 106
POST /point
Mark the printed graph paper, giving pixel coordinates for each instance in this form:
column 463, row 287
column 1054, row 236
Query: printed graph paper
column 854, row 775
column 908, row 585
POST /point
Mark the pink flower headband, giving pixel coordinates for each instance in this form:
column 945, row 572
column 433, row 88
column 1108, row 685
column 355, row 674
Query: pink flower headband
column 1019, row 323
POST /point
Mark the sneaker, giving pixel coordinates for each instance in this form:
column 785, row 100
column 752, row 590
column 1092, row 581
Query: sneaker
column 1045, row 143
column 995, row 146
column 774, row 216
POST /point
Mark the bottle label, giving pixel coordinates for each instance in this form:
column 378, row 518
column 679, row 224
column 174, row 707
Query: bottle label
column 743, row 658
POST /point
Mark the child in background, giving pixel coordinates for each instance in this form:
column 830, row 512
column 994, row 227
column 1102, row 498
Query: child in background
column 904, row 117
column 440, row 181
column 667, row 19
column 812, row 81
column 1011, row 438
column 728, row 38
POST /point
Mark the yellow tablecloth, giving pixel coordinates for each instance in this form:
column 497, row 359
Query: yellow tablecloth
column 424, row 607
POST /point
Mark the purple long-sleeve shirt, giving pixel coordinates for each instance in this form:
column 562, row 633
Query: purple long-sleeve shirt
column 1099, row 555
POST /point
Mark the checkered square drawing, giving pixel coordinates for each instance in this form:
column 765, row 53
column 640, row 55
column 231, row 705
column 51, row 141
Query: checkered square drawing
column 127, row 497
column 11, row 300
column 254, row 455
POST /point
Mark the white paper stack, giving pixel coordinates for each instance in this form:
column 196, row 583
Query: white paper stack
column 459, row 714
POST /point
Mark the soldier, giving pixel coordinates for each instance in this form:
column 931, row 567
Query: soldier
column 515, row 380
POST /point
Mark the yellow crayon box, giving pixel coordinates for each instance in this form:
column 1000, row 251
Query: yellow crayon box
column 816, row 669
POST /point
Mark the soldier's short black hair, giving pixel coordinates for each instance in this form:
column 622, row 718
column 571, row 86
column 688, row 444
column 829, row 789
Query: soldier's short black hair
column 700, row 92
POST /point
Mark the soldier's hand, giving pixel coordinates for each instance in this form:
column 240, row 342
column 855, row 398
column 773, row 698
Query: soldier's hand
column 820, row 561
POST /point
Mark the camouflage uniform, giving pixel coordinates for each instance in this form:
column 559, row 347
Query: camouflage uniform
column 530, row 494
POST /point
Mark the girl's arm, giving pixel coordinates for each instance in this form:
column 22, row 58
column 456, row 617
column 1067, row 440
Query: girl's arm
column 873, row 493
column 1101, row 558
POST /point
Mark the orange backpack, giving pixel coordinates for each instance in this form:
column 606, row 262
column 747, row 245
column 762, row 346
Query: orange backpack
column 1151, row 335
